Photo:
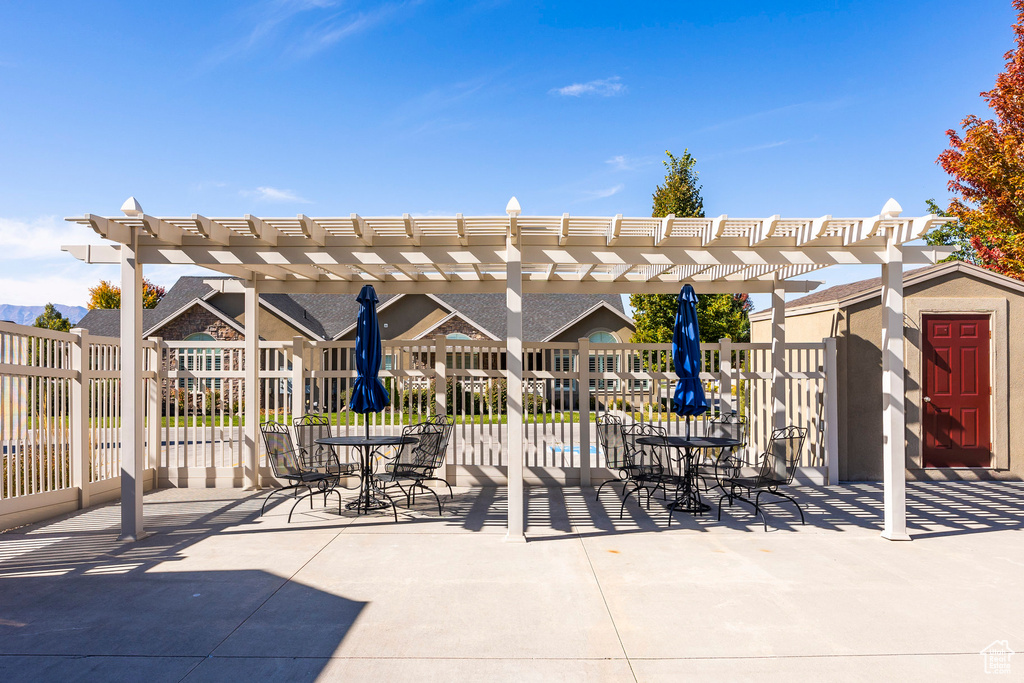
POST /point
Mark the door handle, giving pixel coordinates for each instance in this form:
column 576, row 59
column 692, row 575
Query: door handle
column 927, row 399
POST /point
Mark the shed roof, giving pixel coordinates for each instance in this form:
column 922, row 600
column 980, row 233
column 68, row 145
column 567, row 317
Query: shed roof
column 854, row 292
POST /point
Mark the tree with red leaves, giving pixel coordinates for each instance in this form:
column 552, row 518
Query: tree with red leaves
column 986, row 165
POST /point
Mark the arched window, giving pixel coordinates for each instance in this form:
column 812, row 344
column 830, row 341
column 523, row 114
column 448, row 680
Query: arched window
column 603, row 338
column 200, row 359
column 458, row 335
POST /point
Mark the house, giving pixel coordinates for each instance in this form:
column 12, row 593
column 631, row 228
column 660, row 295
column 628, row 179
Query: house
column 192, row 310
column 964, row 375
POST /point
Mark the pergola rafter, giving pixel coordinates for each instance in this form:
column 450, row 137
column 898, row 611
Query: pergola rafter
column 513, row 254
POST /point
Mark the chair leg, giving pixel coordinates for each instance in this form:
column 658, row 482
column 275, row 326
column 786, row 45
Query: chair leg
column 428, row 490
column 299, row 500
column 450, row 495
column 783, row 495
column 625, row 496
column 294, row 487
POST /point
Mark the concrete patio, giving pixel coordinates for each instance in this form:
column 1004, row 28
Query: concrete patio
column 219, row 593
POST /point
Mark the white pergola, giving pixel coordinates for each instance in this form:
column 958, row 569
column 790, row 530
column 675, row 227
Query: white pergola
column 512, row 254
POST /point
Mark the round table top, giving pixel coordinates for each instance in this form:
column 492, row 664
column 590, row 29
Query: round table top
column 396, row 440
column 689, row 442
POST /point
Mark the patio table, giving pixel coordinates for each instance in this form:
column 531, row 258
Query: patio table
column 690, row 500
column 367, row 446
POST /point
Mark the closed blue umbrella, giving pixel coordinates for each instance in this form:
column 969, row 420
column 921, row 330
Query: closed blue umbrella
column 368, row 392
column 689, row 396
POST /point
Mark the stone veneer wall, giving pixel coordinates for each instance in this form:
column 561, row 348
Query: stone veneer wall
column 458, row 326
column 197, row 319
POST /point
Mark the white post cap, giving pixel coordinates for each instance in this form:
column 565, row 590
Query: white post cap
column 512, row 208
column 131, row 207
column 892, row 209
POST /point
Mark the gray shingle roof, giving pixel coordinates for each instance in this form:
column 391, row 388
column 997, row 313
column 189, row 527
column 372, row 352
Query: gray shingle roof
column 543, row 314
column 107, row 322
column 844, row 291
column 327, row 315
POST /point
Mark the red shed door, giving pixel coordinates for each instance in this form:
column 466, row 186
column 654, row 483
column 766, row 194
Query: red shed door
column 957, row 392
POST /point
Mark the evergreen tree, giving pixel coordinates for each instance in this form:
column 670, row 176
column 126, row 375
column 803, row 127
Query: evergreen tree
column 52, row 319
column 719, row 315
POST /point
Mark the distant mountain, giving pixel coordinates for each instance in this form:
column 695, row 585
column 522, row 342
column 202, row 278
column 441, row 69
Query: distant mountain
column 26, row 315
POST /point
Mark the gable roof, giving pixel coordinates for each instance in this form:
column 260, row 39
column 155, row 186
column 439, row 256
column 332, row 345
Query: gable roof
column 327, row 316
column 862, row 290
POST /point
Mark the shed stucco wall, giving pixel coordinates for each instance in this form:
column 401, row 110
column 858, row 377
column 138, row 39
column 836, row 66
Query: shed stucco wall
column 858, row 331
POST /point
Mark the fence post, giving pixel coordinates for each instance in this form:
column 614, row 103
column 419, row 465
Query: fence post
column 726, row 405
column 154, row 402
column 831, row 413
column 441, row 397
column 583, row 362
column 80, row 446
column 298, row 377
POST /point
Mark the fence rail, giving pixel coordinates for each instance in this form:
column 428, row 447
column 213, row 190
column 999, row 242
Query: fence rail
column 60, row 401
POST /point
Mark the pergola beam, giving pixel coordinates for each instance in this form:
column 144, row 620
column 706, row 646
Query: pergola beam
column 497, row 286
column 533, row 255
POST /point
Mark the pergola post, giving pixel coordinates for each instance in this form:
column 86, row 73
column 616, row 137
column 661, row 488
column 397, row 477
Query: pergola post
column 252, row 385
column 133, row 453
column 514, row 363
column 778, row 356
column 894, row 479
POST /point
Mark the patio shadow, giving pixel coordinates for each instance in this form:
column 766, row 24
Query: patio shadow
column 75, row 604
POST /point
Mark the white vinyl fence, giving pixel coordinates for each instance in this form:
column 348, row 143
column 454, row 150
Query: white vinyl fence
column 60, row 404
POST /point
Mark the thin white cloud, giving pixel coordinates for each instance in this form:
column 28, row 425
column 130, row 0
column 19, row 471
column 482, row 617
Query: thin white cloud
column 272, row 194
column 341, row 26
column 757, row 148
column 603, row 87
column 621, row 162
column 814, row 106
column 603, row 194
column 302, row 28
column 40, row 238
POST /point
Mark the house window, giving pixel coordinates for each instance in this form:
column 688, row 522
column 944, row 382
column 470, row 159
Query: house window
column 458, row 335
column 604, row 361
column 198, row 359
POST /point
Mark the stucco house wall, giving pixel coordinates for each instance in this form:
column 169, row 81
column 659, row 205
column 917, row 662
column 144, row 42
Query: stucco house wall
column 601, row 320
column 857, row 326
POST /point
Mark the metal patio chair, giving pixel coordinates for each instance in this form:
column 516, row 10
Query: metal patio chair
column 713, row 466
column 287, row 467
column 416, row 463
column 654, row 467
column 775, row 469
column 638, row 467
column 318, row 457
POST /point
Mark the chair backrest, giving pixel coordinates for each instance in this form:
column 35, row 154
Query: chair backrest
column 280, row 449
column 424, row 455
column 728, row 427
column 448, row 425
column 611, row 441
column 779, row 462
column 308, row 429
column 641, row 455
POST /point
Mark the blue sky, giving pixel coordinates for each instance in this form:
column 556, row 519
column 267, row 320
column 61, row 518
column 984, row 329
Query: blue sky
column 326, row 108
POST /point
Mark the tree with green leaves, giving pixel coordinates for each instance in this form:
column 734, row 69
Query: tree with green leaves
column 952, row 235
column 718, row 315
column 106, row 295
column 52, row 319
